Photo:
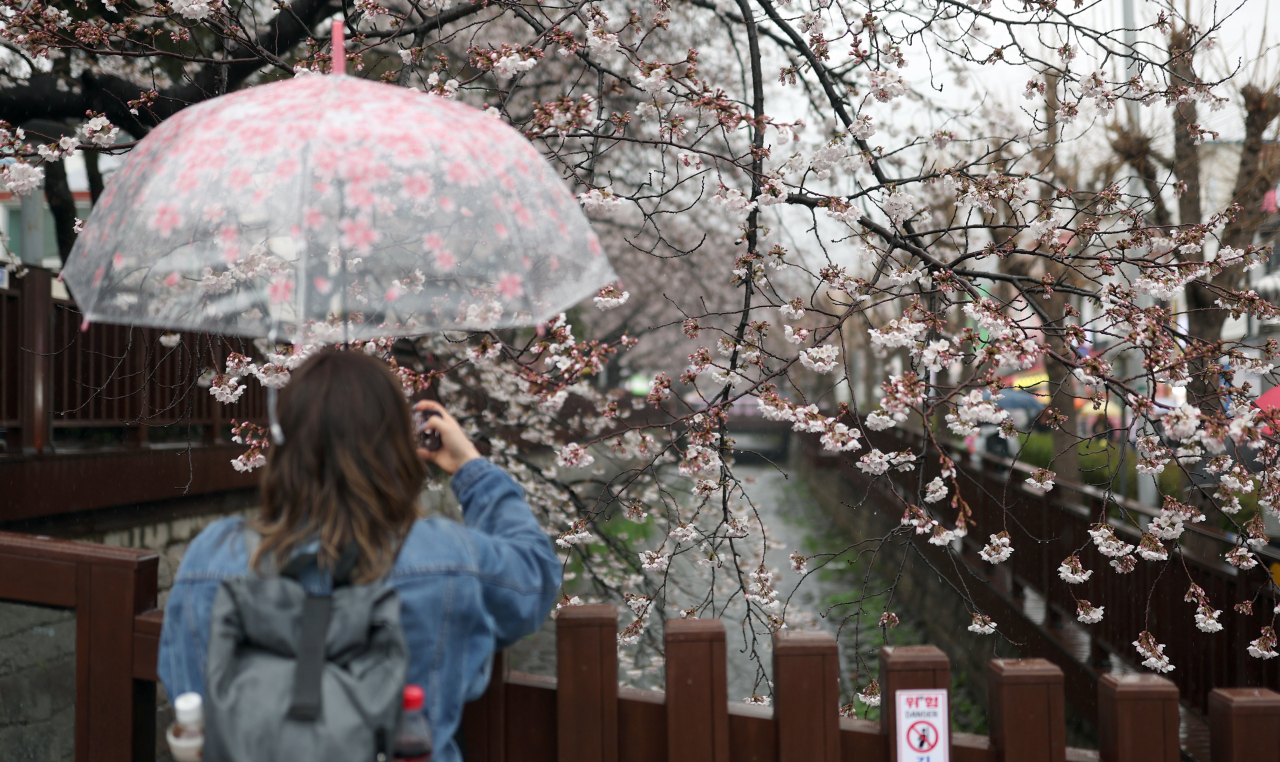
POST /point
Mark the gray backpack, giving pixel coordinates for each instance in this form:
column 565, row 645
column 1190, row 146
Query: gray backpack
column 292, row 676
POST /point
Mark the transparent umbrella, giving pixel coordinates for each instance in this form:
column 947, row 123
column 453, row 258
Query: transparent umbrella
column 331, row 208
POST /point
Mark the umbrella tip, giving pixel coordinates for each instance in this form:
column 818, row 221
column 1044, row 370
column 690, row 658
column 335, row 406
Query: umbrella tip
column 338, row 49
column 59, row 276
column 84, row 325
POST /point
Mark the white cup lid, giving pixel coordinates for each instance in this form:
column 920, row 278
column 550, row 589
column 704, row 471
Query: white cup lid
column 189, row 708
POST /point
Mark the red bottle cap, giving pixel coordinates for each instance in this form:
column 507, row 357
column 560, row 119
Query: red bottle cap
column 413, row 697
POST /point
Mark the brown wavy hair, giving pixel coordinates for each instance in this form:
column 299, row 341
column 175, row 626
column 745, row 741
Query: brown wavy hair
column 347, row 470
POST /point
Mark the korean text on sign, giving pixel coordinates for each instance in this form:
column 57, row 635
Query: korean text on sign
column 922, row 726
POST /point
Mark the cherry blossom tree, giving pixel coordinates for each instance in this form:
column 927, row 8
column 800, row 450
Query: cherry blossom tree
column 854, row 215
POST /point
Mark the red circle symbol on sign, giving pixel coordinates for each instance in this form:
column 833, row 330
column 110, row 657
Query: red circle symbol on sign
column 922, row 736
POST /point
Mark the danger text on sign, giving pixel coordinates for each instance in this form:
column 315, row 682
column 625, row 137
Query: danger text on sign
column 922, row 726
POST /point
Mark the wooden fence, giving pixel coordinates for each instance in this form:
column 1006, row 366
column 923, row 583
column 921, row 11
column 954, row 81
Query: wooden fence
column 583, row 715
column 119, row 382
column 1045, row 529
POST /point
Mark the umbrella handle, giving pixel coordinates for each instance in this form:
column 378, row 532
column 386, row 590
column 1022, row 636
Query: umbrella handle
column 338, row 51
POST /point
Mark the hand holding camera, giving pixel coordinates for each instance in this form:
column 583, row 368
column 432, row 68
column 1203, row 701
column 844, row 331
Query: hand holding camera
column 439, row 437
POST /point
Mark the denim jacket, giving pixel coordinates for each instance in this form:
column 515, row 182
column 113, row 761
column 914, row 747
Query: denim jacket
column 465, row 592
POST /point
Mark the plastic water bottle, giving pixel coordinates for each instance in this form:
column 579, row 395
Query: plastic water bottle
column 413, row 737
column 186, row 734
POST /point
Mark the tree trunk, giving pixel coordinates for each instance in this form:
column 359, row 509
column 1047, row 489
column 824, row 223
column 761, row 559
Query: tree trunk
column 1253, row 178
column 95, row 176
column 1135, row 149
column 1186, row 154
column 57, row 191
column 1061, row 380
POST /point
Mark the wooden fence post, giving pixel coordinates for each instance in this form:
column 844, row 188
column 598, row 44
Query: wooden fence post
column 806, row 695
column 1137, row 719
column 908, row 668
column 37, row 376
column 697, row 691
column 1026, row 710
column 1244, row 725
column 484, row 720
column 587, row 683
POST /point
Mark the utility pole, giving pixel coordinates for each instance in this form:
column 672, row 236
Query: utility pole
column 1148, row 490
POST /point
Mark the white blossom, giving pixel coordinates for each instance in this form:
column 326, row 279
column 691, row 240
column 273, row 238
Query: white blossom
column 612, row 299
column 878, row 421
column 227, row 389
column 840, row 438
column 249, row 460
column 1264, row 647
column 652, row 560
column 982, row 625
column 1241, row 559
column 935, row 490
column 1087, row 614
column 685, row 533
column 21, row 178
column 900, row 206
column 1072, row 573
column 574, row 456
column 1153, row 653
column 1041, row 481
column 1207, row 620
column 194, row 10
column 653, row 81
column 998, row 549
column 799, row 564
column 821, row 359
column 1104, row 538
column 874, row 462
column 862, row 127
column 899, row 332
column 887, row 84
column 733, row 199
column 599, row 200
column 794, row 335
column 512, row 64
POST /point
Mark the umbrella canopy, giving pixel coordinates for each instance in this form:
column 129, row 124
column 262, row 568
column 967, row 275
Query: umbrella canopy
column 330, row 207
column 1270, row 399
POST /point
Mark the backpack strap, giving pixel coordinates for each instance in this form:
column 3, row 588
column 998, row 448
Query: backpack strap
column 314, row 631
column 309, row 666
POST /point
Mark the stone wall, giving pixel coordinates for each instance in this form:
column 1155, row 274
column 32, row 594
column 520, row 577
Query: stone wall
column 37, row 683
column 939, row 610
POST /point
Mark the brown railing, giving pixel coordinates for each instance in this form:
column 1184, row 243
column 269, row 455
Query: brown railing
column 1047, row 529
column 80, row 408
column 582, row 715
column 112, row 673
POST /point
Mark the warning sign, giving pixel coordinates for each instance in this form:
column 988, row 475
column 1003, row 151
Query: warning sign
column 922, row 724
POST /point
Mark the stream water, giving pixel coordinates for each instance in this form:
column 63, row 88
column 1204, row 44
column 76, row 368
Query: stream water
column 794, row 522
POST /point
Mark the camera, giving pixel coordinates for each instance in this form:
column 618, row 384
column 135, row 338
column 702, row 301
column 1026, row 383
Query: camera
column 428, row 439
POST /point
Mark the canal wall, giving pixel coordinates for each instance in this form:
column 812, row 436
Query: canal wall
column 936, row 608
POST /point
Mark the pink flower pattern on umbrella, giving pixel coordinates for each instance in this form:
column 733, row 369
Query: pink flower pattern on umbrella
column 510, row 285
column 166, row 219
column 287, row 204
